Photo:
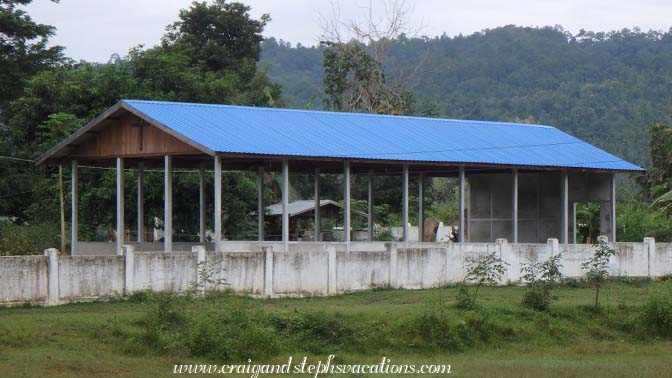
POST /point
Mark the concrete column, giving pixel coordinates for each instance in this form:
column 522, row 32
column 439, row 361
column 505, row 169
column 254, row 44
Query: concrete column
column 201, row 267
column 421, row 208
column 201, row 204
column 404, row 201
column 53, row 296
column 514, row 206
column 268, row 270
column 331, row 278
column 260, row 204
column 129, row 263
column 554, row 245
column 318, row 216
column 564, row 232
column 612, row 210
column 460, row 206
column 346, row 200
column 74, row 217
column 572, row 220
column 218, row 202
column 168, row 205
column 369, row 216
column 120, row 204
column 504, row 253
column 392, row 250
column 141, row 202
column 285, row 203
column 650, row 245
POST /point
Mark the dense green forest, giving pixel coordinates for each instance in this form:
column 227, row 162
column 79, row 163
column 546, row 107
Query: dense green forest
column 606, row 88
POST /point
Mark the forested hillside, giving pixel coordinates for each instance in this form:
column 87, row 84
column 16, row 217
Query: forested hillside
column 606, row 88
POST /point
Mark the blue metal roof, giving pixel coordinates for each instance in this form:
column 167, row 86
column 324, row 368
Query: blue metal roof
column 308, row 133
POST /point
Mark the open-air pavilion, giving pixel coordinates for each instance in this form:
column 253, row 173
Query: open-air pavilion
column 523, row 180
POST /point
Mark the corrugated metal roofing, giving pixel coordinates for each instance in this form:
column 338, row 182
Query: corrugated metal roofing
column 298, row 207
column 288, row 132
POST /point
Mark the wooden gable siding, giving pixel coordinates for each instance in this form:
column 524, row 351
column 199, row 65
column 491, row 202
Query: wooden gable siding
column 130, row 136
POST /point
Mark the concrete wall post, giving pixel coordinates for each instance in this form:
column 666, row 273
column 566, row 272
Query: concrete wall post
column 200, row 267
column 129, row 266
column 392, row 250
column 331, row 278
column 554, row 246
column 53, row 297
column 268, row 270
column 505, row 253
column 650, row 245
column 501, row 244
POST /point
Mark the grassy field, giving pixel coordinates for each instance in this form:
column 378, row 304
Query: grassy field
column 502, row 338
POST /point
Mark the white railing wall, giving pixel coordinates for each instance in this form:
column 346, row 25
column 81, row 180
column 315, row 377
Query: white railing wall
column 296, row 269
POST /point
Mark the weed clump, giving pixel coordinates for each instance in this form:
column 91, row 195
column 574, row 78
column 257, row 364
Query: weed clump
column 656, row 314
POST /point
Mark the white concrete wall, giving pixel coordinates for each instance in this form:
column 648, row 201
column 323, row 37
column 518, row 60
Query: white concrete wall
column 661, row 261
column 164, row 272
column 81, row 277
column 242, row 271
column 361, row 270
column 300, row 273
column 23, row 279
column 277, row 269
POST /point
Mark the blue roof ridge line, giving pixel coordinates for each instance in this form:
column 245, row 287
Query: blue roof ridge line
column 130, row 102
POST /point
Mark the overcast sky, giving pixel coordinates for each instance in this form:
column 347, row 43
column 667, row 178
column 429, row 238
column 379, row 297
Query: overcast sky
column 95, row 29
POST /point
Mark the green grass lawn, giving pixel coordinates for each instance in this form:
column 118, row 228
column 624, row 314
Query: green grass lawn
column 501, row 338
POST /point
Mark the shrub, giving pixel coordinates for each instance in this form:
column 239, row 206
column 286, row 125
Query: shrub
column 596, row 268
column 317, row 332
column 656, row 315
column 436, row 328
column 231, row 334
column 27, row 239
column 483, row 270
column 542, row 278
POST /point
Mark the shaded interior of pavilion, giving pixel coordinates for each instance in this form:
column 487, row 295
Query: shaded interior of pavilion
column 520, row 204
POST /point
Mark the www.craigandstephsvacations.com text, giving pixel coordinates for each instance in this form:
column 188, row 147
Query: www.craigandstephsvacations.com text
column 314, row 369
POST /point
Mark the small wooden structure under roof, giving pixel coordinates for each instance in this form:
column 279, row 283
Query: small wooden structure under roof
column 139, row 134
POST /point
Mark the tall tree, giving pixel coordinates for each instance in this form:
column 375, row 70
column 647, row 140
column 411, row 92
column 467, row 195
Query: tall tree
column 222, row 35
column 209, row 55
column 354, row 75
column 659, row 176
column 23, row 48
